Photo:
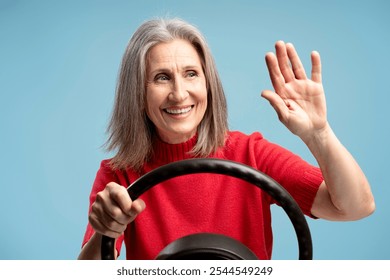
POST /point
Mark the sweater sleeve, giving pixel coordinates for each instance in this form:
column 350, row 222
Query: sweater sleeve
column 297, row 176
column 103, row 177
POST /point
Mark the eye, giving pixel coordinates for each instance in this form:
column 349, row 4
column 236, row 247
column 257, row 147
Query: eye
column 162, row 77
column 192, row 74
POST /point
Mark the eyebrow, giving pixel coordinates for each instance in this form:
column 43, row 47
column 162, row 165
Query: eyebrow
column 168, row 70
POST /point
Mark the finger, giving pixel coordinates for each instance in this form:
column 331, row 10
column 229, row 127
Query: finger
column 316, row 72
column 275, row 74
column 283, row 61
column 103, row 230
column 109, row 211
column 280, row 105
column 128, row 209
column 120, row 196
column 296, row 64
column 98, row 220
column 137, row 207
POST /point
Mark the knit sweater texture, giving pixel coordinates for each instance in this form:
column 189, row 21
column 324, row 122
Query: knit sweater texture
column 209, row 202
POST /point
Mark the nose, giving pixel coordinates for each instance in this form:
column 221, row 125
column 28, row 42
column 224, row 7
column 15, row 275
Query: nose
column 178, row 91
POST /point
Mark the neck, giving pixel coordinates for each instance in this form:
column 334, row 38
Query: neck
column 167, row 152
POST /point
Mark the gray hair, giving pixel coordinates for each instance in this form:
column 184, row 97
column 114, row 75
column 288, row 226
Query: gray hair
column 130, row 130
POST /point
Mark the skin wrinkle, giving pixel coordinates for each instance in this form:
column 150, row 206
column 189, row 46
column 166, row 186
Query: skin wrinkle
column 175, row 80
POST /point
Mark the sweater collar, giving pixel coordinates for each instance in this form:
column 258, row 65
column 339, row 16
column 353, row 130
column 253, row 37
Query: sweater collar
column 164, row 152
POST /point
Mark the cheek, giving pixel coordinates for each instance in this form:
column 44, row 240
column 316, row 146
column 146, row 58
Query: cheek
column 201, row 89
column 204, row 98
column 152, row 104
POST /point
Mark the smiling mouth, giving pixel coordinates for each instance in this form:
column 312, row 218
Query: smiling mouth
column 178, row 111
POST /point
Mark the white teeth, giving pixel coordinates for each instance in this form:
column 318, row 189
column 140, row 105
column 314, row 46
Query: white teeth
column 178, row 111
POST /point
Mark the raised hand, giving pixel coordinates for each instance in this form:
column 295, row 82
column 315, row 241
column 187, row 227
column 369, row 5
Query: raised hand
column 298, row 100
column 300, row 104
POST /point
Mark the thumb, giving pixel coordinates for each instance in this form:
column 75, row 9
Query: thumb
column 277, row 103
column 137, row 207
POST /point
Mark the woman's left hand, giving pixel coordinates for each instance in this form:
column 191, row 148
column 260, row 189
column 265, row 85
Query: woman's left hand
column 345, row 194
column 298, row 100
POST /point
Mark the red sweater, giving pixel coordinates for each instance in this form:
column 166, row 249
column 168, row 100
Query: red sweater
column 209, row 202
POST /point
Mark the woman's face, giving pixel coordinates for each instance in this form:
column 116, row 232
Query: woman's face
column 176, row 93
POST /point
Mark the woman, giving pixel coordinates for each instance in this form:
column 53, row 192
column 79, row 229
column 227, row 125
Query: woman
column 170, row 106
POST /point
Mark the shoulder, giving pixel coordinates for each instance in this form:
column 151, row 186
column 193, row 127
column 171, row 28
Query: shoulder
column 238, row 136
column 105, row 166
column 105, row 171
column 254, row 141
column 254, row 149
column 238, row 139
column 242, row 147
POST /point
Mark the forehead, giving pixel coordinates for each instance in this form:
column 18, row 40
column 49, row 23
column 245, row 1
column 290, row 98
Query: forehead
column 176, row 51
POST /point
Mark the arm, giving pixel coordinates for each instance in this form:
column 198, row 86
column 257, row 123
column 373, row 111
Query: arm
column 300, row 104
column 91, row 250
column 110, row 214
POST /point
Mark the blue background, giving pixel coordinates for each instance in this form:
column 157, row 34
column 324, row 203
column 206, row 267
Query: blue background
column 58, row 66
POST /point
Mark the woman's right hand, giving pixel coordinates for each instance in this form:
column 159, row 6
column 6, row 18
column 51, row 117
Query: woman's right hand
column 113, row 210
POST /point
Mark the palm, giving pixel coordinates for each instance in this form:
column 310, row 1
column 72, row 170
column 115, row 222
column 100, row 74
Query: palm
column 305, row 108
column 299, row 101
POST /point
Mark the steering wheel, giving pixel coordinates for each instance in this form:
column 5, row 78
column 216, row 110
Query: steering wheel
column 224, row 167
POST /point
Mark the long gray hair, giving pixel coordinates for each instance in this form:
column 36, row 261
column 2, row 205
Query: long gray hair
column 130, row 130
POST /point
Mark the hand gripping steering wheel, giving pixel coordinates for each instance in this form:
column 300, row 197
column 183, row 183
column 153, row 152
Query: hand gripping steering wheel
column 224, row 167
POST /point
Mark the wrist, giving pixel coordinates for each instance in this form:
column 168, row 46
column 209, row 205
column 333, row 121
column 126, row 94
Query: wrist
column 319, row 138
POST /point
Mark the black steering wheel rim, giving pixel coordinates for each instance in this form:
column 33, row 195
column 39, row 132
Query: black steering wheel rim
column 229, row 168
